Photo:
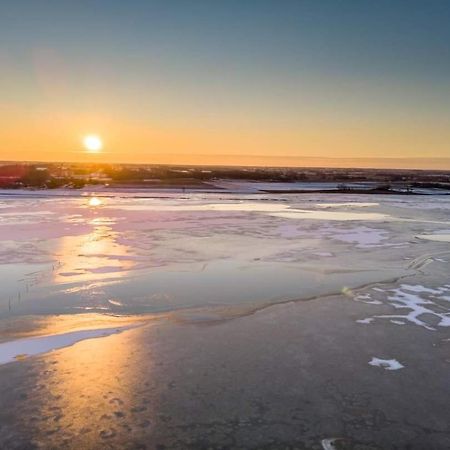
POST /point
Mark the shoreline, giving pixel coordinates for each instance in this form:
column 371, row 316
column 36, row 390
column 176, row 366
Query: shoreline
column 112, row 191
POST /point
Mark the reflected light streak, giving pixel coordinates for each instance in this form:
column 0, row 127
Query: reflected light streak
column 95, row 201
column 96, row 256
column 94, row 393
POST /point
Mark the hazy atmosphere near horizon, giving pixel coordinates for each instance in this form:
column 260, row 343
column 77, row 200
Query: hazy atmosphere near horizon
column 224, row 225
column 340, row 83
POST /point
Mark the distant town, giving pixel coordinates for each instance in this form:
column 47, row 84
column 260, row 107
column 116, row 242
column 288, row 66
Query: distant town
column 78, row 175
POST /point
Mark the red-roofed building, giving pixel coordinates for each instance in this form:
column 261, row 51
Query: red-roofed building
column 10, row 174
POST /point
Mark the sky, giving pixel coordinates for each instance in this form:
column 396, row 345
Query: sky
column 236, row 82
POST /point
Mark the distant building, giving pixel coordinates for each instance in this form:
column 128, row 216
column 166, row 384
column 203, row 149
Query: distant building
column 11, row 174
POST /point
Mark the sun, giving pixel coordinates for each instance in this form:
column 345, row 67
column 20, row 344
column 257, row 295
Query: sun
column 92, row 143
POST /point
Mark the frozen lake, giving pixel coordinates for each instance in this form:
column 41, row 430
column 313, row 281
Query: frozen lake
column 123, row 255
column 268, row 318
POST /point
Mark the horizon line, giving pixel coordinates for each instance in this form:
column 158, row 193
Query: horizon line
column 386, row 163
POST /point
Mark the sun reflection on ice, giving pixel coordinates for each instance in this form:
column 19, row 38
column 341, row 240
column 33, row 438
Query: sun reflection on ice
column 95, row 201
column 95, row 256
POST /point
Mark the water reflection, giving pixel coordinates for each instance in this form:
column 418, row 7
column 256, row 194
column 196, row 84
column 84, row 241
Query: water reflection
column 93, row 256
column 77, row 398
column 98, row 393
column 95, row 201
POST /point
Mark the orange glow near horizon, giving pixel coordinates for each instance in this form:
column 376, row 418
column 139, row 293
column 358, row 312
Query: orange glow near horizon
column 226, row 87
column 54, row 137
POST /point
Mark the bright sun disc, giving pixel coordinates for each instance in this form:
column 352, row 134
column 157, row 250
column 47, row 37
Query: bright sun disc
column 92, row 143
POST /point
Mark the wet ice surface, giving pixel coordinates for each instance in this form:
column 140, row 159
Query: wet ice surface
column 204, row 258
column 126, row 255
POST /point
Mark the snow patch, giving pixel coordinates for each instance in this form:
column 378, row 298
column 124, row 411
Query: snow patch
column 23, row 348
column 427, row 307
column 369, row 320
column 437, row 236
column 386, row 364
column 330, row 215
column 351, row 204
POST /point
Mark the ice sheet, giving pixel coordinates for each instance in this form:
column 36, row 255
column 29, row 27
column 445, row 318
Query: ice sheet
column 63, row 253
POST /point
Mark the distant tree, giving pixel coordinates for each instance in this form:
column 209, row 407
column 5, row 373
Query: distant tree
column 35, row 177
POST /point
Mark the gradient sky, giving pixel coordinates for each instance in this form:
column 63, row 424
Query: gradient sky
column 225, row 81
